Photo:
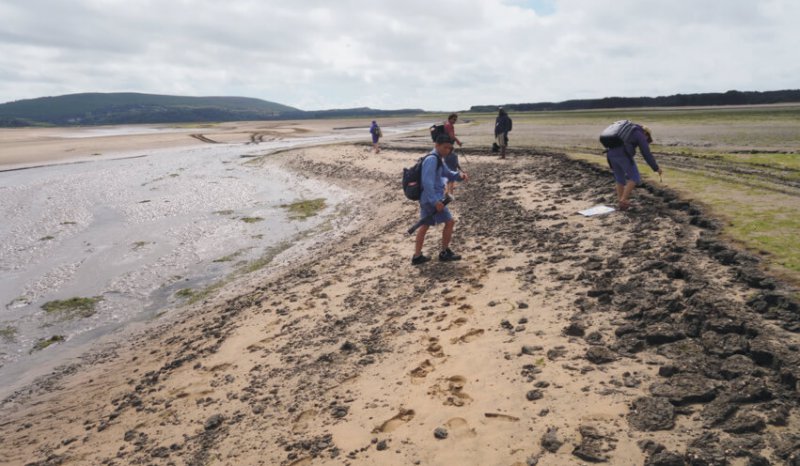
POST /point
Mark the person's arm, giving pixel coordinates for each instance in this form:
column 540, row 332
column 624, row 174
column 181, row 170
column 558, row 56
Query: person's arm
column 452, row 175
column 644, row 146
column 428, row 180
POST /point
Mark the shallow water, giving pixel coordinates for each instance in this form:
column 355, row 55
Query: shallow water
column 134, row 232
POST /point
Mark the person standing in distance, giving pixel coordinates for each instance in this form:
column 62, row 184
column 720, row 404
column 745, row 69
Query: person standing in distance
column 502, row 125
column 626, row 173
column 434, row 170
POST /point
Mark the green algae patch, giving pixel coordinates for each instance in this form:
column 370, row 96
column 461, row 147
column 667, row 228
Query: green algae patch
column 8, row 334
column 304, row 209
column 72, row 308
column 184, row 293
column 139, row 245
column 252, row 219
column 45, row 342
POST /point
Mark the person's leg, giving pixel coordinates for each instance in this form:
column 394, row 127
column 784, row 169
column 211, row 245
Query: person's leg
column 447, row 233
column 420, row 239
column 620, row 190
column 626, row 192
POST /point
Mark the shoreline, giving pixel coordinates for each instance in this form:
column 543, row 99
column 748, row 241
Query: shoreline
column 554, row 340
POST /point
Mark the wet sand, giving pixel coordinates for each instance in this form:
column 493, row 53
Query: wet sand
column 631, row 338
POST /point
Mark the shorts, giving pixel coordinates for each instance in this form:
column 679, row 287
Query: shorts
column 501, row 140
column 375, row 138
column 440, row 217
column 624, row 169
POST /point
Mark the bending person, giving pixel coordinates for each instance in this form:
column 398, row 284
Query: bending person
column 626, row 173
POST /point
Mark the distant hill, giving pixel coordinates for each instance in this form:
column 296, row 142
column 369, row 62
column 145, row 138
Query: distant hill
column 677, row 100
column 131, row 108
column 128, row 107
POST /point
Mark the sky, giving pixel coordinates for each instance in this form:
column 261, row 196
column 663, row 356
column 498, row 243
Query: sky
column 434, row 55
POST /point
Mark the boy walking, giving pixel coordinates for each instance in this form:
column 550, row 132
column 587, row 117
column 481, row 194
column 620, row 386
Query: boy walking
column 434, row 174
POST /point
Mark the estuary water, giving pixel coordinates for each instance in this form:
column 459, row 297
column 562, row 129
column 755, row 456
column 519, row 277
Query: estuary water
column 136, row 235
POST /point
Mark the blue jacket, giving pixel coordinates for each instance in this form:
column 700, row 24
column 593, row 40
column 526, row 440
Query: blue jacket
column 637, row 139
column 432, row 183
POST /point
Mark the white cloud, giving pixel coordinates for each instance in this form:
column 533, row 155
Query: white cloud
column 444, row 55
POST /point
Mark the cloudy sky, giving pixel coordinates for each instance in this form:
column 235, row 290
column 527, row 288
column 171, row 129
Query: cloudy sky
column 434, row 55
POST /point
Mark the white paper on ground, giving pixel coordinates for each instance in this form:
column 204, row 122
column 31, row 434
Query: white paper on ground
column 596, row 210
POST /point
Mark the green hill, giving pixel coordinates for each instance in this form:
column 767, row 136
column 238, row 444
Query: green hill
column 128, row 107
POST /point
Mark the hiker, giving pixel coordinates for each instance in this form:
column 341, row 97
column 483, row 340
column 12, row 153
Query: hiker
column 502, row 125
column 626, row 173
column 430, row 202
column 452, row 159
column 376, row 133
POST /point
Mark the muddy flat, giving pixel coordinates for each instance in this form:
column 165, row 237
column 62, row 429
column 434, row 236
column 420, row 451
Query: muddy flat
column 629, row 338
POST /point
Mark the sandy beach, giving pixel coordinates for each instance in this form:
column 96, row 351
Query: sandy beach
column 630, row 338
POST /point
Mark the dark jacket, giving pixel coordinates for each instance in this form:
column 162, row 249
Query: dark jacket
column 502, row 125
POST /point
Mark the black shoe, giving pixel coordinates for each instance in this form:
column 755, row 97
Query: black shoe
column 420, row 259
column 447, row 255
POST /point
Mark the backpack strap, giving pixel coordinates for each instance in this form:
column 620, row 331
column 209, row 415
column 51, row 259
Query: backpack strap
column 439, row 162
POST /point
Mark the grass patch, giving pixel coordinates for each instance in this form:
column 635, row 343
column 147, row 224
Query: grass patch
column 69, row 223
column 8, row 334
column 304, row 209
column 223, row 212
column 47, row 238
column 139, row 245
column 72, row 308
column 252, row 219
column 45, row 342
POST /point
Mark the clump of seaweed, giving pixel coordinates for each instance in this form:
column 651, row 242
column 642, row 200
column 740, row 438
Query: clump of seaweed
column 45, row 342
column 8, row 334
column 72, row 308
column 304, row 209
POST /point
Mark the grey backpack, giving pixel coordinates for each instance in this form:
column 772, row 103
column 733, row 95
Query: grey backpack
column 617, row 134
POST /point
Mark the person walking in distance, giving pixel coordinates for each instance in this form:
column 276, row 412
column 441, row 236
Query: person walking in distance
column 377, row 134
column 434, row 170
column 452, row 160
column 502, row 125
column 626, row 173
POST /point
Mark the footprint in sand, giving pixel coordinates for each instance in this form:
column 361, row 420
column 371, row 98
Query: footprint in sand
column 459, row 428
column 302, row 420
column 451, row 390
column 421, row 371
column 403, row 417
column 469, row 336
column 456, row 323
column 434, row 348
